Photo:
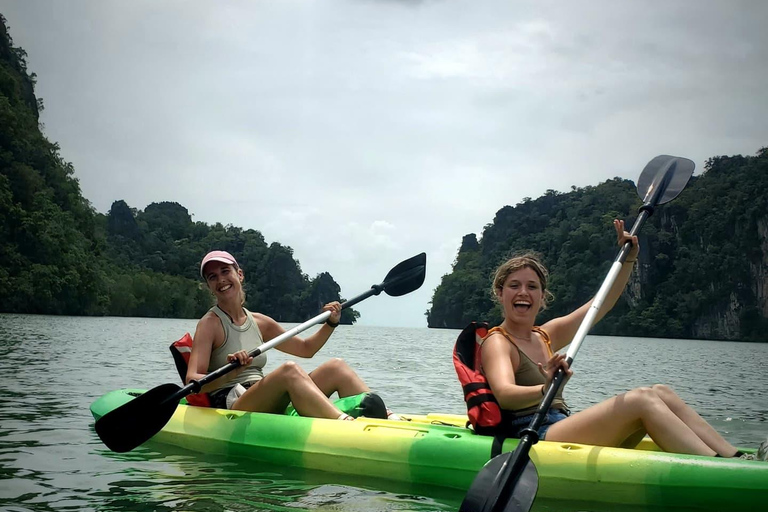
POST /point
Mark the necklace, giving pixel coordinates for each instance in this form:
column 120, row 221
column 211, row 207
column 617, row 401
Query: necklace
column 230, row 316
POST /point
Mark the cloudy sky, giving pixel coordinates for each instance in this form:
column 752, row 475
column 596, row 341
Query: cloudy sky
column 363, row 132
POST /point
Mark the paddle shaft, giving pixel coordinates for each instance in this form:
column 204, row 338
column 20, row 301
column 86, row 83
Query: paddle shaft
column 587, row 323
column 529, row 436
column 505, row 480
column 646, row 210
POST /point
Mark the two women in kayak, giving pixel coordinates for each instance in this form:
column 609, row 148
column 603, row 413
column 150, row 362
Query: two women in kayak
column 518, row 359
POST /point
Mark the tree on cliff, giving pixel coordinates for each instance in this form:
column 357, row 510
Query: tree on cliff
column 703, row 269
column 57, row 255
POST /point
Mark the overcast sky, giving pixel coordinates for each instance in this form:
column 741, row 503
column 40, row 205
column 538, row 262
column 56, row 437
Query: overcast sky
column 360, row 133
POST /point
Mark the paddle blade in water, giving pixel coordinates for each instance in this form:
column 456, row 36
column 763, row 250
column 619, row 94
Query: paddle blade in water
column 130, row 425
column 671, row 172
column 406, row 276
column 495, row 489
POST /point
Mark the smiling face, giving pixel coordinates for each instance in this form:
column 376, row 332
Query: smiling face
column 225, row 281
column 521, row 294
column 522, row 277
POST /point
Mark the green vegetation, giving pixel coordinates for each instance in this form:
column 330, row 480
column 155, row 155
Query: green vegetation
column 703, row 266
column 59, row 256
column 703, row 270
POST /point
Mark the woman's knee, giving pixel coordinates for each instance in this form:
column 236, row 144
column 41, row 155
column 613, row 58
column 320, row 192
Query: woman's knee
column 663, row 391
column 337, row 365
column 643, row 398
column 290, row 371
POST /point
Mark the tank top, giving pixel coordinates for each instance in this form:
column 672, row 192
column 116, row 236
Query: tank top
column 238, row 337
column 527, row 372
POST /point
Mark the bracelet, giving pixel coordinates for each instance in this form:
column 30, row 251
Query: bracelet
column 331, row 324
column 542, row 390
column 630, row 261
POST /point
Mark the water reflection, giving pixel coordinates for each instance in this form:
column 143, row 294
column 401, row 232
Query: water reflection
column 169, row 478
column 54, row 367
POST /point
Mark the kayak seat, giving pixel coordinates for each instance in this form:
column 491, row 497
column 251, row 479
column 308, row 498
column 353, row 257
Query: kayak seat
column 181, row 351
column 483, row 409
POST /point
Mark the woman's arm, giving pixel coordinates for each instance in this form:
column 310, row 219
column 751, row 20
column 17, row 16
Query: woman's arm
column 561, row 330
column 297, row 346
column 208, row 330
column 499, row 359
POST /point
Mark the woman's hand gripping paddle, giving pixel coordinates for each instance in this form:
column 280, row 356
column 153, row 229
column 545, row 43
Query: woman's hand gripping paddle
column 130, row 425
column 509, row 481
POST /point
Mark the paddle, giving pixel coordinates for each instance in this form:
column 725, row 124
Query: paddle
column 130, row 425
column 509, row 481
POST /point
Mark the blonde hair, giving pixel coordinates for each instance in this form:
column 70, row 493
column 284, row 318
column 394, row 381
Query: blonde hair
column 529, row 260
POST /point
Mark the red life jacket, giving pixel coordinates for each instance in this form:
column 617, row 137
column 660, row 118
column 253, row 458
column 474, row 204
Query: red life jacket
column 482, row 408
column 181, row 351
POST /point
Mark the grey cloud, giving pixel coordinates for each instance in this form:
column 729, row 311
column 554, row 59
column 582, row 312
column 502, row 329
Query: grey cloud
column 355, row 131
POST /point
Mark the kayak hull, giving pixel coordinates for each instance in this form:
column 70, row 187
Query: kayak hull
column 425, row 453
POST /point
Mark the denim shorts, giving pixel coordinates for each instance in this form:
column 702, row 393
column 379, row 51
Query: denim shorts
column 517, row 425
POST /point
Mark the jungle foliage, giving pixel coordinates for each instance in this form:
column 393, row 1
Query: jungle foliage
column 702, row 273
column 59, row 256
column 703, row 265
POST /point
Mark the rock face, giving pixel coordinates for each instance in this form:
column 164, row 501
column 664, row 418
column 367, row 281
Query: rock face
column 720, row 324
column 702, row 270
column 760, row 270
column 726, row 320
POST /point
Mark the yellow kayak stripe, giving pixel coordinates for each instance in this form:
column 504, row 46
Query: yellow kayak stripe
column 377, row 448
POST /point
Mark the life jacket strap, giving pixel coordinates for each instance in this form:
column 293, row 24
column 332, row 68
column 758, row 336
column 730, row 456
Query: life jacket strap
column 474, row 386
column 480, row 399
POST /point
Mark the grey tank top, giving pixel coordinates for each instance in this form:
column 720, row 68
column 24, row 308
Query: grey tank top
column 238, row 337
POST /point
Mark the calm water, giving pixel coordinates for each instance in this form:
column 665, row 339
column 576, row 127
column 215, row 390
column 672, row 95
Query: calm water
column 52, row 368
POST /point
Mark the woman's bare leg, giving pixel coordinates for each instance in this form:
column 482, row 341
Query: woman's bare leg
column 612, row 422
column 287, row 383
column 703, row 430
column 634, row 439
column 336, row 376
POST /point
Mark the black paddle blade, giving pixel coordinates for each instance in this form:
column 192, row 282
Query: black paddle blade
column 670, row 172
column 515, row 495
column 131, row 424
column 406, row 276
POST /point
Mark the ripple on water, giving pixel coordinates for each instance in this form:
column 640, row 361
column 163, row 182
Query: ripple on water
column 54, row 367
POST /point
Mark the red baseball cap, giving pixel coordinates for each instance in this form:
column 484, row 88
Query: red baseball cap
column 222, row 256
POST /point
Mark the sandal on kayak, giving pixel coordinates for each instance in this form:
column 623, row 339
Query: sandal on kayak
column 762, row 453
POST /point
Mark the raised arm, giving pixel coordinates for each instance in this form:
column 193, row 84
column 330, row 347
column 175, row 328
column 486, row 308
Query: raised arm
column 562, row 329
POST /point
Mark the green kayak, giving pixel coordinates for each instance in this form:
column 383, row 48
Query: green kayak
column 437, row 450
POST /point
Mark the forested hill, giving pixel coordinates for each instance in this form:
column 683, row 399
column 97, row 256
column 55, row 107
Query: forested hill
column 703, row 265
column 59, row 256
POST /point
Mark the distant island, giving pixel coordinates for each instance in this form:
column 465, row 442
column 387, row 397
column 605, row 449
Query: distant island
column 702, row 271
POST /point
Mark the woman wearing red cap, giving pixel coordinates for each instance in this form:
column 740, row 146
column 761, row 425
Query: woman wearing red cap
column 229, row 331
